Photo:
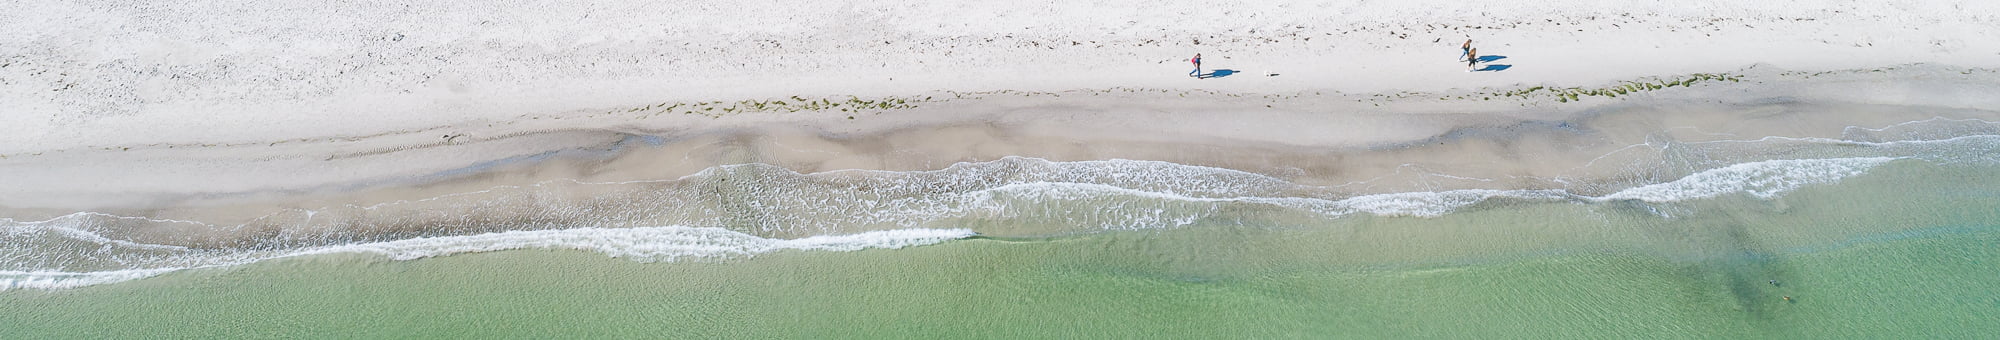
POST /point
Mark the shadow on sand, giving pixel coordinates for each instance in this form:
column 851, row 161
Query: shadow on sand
column 1218, row 74
column 1493, row 67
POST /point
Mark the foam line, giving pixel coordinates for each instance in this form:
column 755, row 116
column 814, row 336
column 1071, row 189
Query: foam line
column 1766, row 179
column 646, row 244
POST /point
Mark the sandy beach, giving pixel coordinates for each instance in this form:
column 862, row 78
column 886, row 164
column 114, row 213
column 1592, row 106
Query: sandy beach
column 227, row 112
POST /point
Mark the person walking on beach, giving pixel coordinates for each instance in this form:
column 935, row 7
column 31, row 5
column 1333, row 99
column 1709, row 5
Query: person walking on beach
column 1471, row 59
column 1465, row 50
column 1197, row 66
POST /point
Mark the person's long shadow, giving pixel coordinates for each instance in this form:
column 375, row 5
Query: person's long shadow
column 1493, row 67
column 1218, row 73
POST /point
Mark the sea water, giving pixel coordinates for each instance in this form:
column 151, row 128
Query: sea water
column 1880, row 233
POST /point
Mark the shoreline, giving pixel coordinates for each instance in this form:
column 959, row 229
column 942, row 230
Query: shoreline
column 1591, row 152
column 1322, row 139
column 1500, row 232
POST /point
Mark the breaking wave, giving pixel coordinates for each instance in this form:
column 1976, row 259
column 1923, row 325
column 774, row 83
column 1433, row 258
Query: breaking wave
column 743, row 210
column 645, row 244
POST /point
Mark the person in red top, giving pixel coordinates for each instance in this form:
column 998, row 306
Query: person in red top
column 1197, row 66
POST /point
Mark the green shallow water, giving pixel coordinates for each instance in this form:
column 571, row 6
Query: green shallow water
column 1906, row 251
column 1940, row 286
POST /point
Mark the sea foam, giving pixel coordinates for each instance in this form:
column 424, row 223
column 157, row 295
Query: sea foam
column 1765, row 179
column 645, row 244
